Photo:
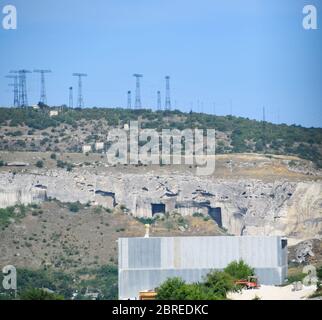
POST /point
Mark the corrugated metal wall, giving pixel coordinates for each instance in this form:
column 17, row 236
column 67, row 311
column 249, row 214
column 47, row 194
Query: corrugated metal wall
column 144, row 263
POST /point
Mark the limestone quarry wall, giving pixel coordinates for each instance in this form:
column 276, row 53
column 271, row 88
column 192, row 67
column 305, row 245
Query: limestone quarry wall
column 23, row 196
column 247, row 207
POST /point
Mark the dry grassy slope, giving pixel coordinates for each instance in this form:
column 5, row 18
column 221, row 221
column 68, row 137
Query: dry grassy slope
column 64, row 137
column 230, row 166
column 88, row 238
column 52, row 235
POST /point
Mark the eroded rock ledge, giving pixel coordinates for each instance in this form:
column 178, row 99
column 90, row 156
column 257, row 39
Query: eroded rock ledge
column 246, row 206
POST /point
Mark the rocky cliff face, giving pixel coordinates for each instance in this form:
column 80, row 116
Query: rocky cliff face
column 10, row 196
column 245, row 206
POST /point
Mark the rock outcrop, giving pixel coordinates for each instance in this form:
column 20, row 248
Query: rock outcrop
column 25, row 195
column 242, row 207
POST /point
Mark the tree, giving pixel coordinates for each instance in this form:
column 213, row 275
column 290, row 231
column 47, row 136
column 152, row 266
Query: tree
column 239, row 270
column 39, row 294
column 39, row 164
column 172, row 289
column 177, row 289
column 319, row 273
column 259, row 146
column 220, row 283
column 215, row 287
column 198, row 291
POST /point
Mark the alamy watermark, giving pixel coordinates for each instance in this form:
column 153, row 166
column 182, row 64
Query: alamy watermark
column 310, row 20
column 9, row 281
column 311, row 277
column 9, row 20
column 134, row 146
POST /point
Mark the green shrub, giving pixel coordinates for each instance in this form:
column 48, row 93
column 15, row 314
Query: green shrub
column 215, row 286
column 177, row 289
column 239, row 270
column 63, row 164
column 220, row 283
column 60, row 164
column 197, row 291
column 172, row 289
column 146, row 220
column 198, row 215
column 319, row 273
column 103, row 279
column 295, row 277
column 69, row 167
column 74, row 207
column 98, row 210
column 40, row 164
column 39, row 294
column 10, row 214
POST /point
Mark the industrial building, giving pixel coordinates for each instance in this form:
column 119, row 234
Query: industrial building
column 145, row 263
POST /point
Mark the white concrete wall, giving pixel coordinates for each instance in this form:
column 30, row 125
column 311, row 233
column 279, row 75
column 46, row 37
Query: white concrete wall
column 193, row 257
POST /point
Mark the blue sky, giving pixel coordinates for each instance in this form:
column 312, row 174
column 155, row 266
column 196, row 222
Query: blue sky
column 252, row 53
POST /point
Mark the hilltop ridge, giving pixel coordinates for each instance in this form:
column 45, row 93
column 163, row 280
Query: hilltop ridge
column 35, row 130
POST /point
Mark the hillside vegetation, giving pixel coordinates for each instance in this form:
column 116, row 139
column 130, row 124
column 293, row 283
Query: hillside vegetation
column 35, row 130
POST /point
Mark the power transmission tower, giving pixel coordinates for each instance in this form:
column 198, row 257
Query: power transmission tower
column 138, row 102
column 159, row 100
column 167, row 95
column 23, row 98
column 15, row 86
column 80, row 100
column 43, row 96
column 71, row 99
column 129, row 100
column 23, row 89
